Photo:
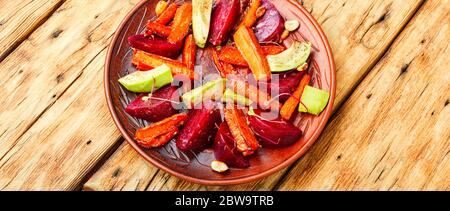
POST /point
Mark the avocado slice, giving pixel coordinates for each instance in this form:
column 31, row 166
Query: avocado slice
column 147, row 81
column 230, row 96
column 211, row 90
column 292, row 58
column 201, row 20
column 314, row 100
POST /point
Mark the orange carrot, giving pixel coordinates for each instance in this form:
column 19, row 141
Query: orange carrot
column 273, row 49
column 189, row 52
column 159, row 134
column 181, row 23
column 223, row 67
column 232, row 55
column 143, row 67
column 152, row 60
column 168, row 14
column 246, row 141
column 243, row 88
column 252, row 52
column 291, row 104
column 158, row 29
column 250, row 16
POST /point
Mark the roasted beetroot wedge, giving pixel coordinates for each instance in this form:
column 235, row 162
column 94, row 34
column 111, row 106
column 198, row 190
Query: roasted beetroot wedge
column 157, row 107
column 224, row 17
column 199, row 129
column 225, row 149
column 155, row 45
column 287, row 84
column 271, row 25
column 275, row 133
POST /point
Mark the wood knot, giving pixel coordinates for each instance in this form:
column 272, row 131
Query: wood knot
column 56, row 33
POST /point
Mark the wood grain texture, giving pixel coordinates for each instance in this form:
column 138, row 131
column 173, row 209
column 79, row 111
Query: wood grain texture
column 19, row 18
column 394, row 132
column 359, row 32
column 55, row 124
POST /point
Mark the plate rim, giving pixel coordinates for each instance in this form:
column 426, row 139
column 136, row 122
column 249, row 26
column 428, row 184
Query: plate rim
column 308, row 143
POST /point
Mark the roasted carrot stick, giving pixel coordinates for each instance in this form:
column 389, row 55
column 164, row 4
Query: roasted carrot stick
column 252, row 52
column 152, row 60
column 243, row 88
column 181, row 23
column 158, row 29
column 232, row 55
column 189, row 52
column 168, row 14
column 246, row 141
column 291, row 104
column 223, row 67
column 250, row 16
column 158, row 134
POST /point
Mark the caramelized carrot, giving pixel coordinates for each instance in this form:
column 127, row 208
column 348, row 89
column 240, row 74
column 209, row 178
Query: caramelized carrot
column 291, row 104
column 168, row 14
column 142, row 66
column 158, row 134
column 181, row 23
column 189, row 52
column 250, row 16
column 273, row 49
column 232, row 55
column 243, row 88
column 252, row 52
column 152, row 60
column 158, row 29
column 223, row 67
column 246, row 141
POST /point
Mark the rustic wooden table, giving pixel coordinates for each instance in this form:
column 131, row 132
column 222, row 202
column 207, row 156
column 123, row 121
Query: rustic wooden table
column 390, row 129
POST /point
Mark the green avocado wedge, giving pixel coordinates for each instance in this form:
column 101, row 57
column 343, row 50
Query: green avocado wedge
column 212, row 90
column 230, row 96
column 314, row 100
column 201, row 20
column 292, row 58
column 147, row 81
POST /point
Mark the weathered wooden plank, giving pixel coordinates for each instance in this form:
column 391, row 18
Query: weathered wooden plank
column 48, row 116
column 19, row 18
column 394, row 132
column 359, row 32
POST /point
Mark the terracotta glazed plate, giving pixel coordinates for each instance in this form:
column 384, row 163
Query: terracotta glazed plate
column 192, row 166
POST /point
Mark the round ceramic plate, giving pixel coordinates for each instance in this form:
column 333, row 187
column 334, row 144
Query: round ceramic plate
column 195, row 167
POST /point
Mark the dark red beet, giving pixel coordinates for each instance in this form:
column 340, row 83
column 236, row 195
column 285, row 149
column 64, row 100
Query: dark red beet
column 225, row 149
column 224, row 17
column 287, row 84
column 200, row 128
column 274, row 133
column 271, row 25
column 155, row 45
column 155, row 110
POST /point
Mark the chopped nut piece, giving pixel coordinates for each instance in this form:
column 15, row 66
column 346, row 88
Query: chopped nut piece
column 219, row 166
column 291, row 25
column 303, row 67
column 160, row 7
column 260, row 12
column 284, row 35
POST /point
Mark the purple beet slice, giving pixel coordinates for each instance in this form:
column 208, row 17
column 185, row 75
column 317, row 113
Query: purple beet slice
column 199, row 130
column 224, row 16
column 287, row 84
column 275, row 133
column 156, row 108
column 225, row 149
column 155, row 45
column 271, row 25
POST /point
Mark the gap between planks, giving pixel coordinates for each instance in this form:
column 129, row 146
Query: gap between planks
column 358, row 83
